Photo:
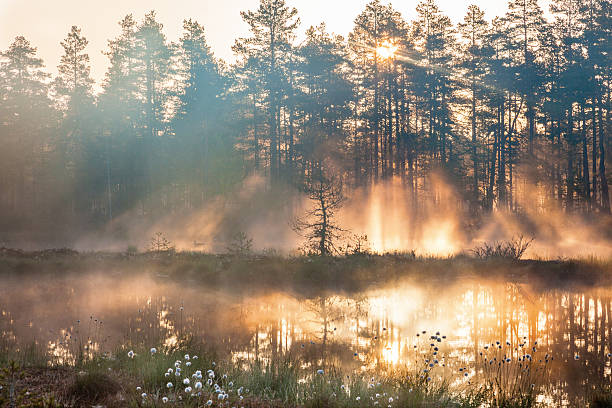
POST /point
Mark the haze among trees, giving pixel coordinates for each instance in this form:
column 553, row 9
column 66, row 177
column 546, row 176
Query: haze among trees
column 498, row 108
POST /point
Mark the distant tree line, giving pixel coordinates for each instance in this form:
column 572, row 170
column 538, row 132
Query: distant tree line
column 501, row 109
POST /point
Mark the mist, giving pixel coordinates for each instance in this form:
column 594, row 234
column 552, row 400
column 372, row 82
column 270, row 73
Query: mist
column 180, row 143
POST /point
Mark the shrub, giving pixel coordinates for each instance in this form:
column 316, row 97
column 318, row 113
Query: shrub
column 513, row 248
column 92, row 387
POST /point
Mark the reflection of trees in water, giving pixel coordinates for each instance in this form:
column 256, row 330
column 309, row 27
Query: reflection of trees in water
column 325, row 330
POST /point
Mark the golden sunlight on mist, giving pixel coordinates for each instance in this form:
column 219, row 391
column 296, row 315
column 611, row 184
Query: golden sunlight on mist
column 392, row 222
column 439, row 238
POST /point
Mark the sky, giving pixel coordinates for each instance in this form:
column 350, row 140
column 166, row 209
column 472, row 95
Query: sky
column 46, row 22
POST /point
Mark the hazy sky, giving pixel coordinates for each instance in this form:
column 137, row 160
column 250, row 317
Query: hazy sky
column 46, row 22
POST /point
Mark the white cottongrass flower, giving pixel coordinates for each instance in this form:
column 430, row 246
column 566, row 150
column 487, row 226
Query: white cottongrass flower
column 167, row 374
column 177, row 364
column 209, row 382
column 186, row 356
column 188, row 363
column 138, row 388
column 153, row 350
column 358, row 399
column 165, row 400
column 186, row 381
column 209, row 403
column 320, row 371
column 198, row 385
column 231, row 384
column 211, row 374
column 131, row 354
column 195, row 357
column 169, row 385
column 188, row 390
column 390, row 400
column 143, row 395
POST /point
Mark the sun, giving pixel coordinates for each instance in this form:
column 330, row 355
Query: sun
column 386, row 50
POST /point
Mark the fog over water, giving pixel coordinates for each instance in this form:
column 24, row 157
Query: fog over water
column 367, row 331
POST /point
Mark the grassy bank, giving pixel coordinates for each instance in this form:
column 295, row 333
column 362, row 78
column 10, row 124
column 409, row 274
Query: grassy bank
column 191, row 377
column 346, row 274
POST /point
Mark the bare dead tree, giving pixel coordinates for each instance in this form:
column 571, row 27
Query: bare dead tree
column 318, row 226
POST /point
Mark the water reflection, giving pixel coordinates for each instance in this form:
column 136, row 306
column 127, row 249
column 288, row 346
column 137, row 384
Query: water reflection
column 72, row 318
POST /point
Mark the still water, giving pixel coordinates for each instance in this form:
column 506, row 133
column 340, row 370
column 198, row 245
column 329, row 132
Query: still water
column 372, row 331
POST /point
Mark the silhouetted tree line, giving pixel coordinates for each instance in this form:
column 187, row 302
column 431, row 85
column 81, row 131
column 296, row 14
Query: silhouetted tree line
column 501, row 108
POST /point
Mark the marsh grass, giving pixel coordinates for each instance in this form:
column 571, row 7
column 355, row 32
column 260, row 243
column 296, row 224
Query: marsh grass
column 91, row 387
column 120, row 380
column 350, row 273
column 30, row 355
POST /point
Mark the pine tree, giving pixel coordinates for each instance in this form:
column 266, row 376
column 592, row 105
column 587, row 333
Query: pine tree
column 434, row 86
column 152, row 57
column 74, row 81
column 378, row 31
column 73, row 87
column 475, row 53
column 323, row 104
column 200, row 109
column 26, row 119
column 272, row 27
column 526, row 25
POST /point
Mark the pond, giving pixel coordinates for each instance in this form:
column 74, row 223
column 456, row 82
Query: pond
column 463, row 328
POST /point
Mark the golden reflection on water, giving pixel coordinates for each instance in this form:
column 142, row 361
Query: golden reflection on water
column 363, row 332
